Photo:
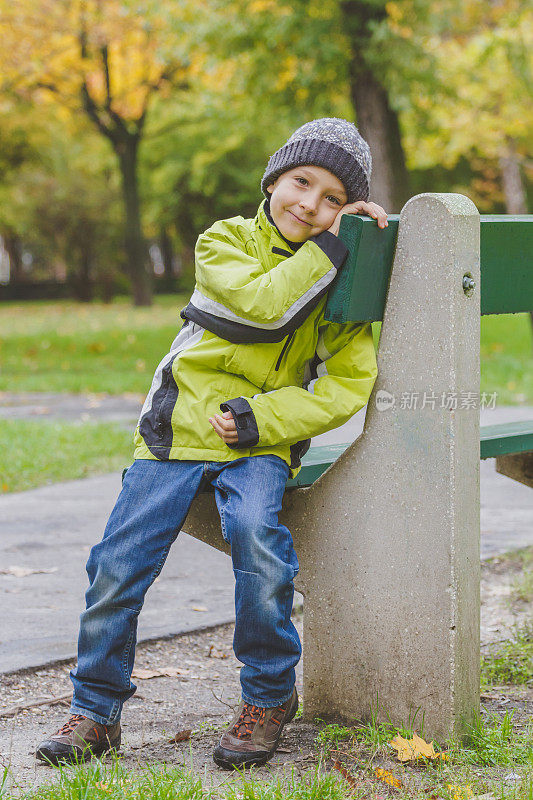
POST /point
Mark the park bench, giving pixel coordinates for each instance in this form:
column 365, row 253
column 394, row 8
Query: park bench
column 387, row 527
column 506, row 287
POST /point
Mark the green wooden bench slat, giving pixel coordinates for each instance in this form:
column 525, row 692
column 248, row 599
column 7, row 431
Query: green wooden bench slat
column 495, row 440
column 315, row 462
column 506, row 264
column 510, row 437
column 506, row 267
column 359, row 291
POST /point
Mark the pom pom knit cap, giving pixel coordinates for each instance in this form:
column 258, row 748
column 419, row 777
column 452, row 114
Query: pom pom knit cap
column 332, row 143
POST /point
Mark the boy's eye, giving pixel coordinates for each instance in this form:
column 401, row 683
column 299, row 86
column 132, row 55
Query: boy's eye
column 304, row 182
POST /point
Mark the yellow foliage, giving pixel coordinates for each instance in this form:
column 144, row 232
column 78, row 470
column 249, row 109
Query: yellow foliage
column 387, row 777
column 485, row 66
column 394, row 10
column 460, row 792
column 287, row 71
column 257, row 6
column 412, row 749
column 54, row 47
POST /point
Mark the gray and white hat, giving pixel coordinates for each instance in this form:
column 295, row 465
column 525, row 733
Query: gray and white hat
column 332, row 143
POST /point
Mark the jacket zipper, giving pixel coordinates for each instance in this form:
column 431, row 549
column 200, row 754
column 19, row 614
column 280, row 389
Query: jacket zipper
column 289, row 337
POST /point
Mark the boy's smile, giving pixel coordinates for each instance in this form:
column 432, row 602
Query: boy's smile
column 305, row 201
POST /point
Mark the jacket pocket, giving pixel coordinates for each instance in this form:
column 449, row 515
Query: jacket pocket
column 254, row 362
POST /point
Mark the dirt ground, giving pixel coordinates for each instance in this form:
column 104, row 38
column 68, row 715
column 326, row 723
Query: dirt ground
column 200, row 694
column 200, row 698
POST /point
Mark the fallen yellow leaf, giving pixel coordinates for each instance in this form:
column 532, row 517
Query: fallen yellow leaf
column 387, row 777
column 411, row 749
column 423, row 748
column 460, row 792
column 404, row 748
column 159, row 672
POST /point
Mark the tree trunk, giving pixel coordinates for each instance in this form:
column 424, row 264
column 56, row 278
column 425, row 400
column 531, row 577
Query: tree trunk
column 108, row 288
column 13, row 246
column 167, row 255
column 82, row 283
column 378, row 124
column 376, row 120
column 513, row 186
column 135, row 245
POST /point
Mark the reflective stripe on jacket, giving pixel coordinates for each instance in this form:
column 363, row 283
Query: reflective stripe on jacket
column 255, row 342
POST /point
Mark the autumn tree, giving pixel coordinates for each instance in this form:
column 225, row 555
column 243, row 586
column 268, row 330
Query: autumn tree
column 107, row 60
column 17, row 150
column 60, row 199
column 484, row 53
column 310, row 54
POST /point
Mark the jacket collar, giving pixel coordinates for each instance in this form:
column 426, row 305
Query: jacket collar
column 266, row 222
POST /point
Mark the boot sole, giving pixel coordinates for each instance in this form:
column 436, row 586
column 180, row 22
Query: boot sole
column 230, row 759
column 75, row 756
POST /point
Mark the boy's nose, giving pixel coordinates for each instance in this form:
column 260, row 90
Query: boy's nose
column 310, row 204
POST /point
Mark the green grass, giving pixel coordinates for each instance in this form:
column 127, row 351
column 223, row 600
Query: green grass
column 74, row 347
column 490, row 740
column 511, row 661
column 108, row 779
column 495, row 740
column 521, row 562
column 522, row 586
column 493, row 746
column 35, row 453
column 507, row 358
column 78, row 347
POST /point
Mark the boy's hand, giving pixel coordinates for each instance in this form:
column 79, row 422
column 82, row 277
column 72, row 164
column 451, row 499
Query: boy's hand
column 361, row 207
column 225, row 427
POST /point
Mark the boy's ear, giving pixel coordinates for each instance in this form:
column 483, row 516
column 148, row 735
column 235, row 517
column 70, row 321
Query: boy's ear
column 271, row 187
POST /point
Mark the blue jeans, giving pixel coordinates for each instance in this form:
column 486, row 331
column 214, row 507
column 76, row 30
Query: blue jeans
column 150, row 510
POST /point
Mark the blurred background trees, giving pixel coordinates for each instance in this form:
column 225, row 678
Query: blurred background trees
column 127, row 127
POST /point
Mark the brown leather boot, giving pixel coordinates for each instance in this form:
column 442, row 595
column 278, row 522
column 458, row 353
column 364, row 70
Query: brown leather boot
column 78, row 740
column 254, row 734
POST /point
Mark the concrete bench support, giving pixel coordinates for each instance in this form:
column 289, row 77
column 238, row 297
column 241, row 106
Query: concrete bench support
column 388, row 537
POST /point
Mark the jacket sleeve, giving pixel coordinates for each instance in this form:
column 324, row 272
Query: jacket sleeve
column 339, row 382
column 232, row 284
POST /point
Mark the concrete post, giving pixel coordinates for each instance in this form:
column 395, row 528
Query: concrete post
column 388, row 537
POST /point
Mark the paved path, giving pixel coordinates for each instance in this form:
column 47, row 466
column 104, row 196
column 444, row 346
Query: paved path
column 70, row 407
column 53, row 528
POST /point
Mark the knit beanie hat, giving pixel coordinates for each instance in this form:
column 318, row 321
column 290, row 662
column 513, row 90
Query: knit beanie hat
column 332, row 143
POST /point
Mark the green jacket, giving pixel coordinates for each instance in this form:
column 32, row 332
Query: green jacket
column 255, row 342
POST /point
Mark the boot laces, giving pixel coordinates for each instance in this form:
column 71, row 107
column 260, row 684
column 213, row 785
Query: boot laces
column 249, row 716
column 252, row 715
column 69, row 726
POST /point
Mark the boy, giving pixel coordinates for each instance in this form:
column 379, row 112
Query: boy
column 254, row 345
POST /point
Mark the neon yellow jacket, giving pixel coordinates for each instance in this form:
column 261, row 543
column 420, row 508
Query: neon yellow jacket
column 255, row 342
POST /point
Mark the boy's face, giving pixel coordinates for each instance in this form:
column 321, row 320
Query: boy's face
column 305, row 201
